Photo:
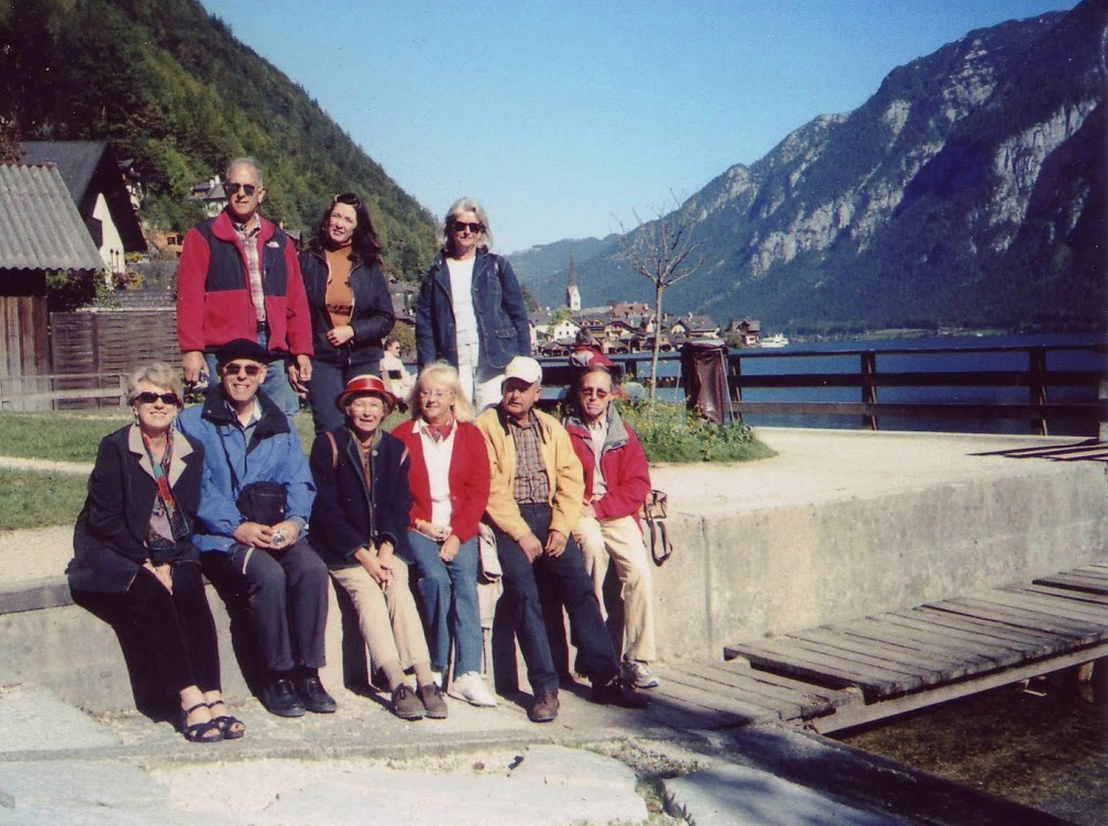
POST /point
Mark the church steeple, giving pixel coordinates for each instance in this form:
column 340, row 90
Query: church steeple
column 573, row 295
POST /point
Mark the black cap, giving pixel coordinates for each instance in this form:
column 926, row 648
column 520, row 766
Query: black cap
column 242, row 348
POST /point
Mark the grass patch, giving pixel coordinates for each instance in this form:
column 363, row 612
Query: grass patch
column 30, row 499
column 59, row 437
column 671, row 433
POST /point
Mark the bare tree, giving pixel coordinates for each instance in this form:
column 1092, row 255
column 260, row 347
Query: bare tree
column 664, row 252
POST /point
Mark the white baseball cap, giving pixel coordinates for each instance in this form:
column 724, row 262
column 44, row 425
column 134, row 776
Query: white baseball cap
column 525, row 369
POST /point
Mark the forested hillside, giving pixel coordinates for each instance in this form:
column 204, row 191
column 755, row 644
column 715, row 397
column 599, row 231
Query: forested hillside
column 170, row 86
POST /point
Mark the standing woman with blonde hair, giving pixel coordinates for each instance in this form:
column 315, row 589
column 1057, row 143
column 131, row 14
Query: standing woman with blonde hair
column 449, row 480
column 471, row 313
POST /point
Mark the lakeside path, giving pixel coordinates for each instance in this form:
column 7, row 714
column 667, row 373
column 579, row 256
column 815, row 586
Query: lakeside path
column 490, row 766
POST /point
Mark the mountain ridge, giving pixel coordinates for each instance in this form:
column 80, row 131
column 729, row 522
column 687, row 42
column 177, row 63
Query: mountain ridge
column 967, row 190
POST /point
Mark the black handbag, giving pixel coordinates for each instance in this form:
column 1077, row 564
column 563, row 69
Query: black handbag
column 263, row 502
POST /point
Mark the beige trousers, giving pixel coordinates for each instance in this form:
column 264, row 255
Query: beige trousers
column 388, row 618
column 620, row 540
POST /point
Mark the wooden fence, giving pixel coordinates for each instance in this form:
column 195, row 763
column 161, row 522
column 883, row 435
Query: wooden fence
column 1046, row 388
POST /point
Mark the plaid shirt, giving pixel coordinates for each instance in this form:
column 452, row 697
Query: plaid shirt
column 531, row 485
column 248, row 235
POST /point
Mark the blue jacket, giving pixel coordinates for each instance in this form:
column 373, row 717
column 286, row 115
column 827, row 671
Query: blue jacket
column 502, row 325
column 273, row 455
column 350, row 510
column 372, row 318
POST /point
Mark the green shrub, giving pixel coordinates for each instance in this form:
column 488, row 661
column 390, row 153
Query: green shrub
column 670, row 433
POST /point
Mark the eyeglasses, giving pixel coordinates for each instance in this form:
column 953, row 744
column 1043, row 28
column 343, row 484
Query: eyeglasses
column 232, row 189
column 434, row 394
column 595, row 391
column 234, row 368
column 147, row 397
column 473, row 226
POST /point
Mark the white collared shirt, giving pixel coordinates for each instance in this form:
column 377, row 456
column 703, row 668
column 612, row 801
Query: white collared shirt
column 436, row 456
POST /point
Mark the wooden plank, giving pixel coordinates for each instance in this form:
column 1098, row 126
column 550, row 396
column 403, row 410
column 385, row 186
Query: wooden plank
column 1071, row 609
column 1063, row 593
column 914, row 676
column 973, row 653
column 770, row 682
column 1044, row 617
column 1073, row 582
column 708, row 694
column 824, row 669
column 1002, row 653
column 692, row 701
column 899, row 658
column 791, row 704
column 1025, row 642
column 1016, row 618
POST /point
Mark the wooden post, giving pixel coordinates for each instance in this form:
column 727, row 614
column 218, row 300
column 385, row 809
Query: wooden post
column 1037, row 356
column 869, row 389
column 1102, row 396
column 734, row 381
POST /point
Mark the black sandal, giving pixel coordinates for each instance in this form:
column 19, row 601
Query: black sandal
column 227, row 724
column 198, row 732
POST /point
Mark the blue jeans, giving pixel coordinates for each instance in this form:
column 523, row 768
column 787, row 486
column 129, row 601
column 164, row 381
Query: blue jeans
column 328, row 380
column 276, row 385
column 448, row 599
column 526, row 584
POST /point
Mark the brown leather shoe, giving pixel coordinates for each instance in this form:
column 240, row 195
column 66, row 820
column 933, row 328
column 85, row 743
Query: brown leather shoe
column 545, row 708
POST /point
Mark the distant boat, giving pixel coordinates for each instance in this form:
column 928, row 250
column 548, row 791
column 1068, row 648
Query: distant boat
column 774, row 341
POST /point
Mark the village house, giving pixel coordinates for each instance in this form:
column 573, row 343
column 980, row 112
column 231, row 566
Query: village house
column 41, row 232
column 101, row 191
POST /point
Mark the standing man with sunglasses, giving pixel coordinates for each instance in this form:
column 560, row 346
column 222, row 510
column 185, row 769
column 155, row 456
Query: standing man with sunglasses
column 251, row 530
column 239, row 277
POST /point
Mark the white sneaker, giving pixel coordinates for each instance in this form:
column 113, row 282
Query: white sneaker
column 472, row 688
column 437, row 677
column 637, row 674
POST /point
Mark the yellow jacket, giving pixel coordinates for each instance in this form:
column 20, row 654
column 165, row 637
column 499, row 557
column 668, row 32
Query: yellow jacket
column 563, row 469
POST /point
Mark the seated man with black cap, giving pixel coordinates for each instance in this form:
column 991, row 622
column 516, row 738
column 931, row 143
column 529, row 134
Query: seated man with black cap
column 252, row 524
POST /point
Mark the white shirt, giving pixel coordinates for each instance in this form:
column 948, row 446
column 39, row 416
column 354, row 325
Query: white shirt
column 436, row 455
column 461, row 288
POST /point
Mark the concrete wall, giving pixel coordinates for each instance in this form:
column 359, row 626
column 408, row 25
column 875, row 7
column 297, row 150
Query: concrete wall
column 741, row 576
column 763, row 548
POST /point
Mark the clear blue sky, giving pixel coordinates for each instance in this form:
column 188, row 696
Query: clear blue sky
column 563, row 117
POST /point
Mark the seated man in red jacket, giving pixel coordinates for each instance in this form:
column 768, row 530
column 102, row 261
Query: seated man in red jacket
column 239, row 278
column 617, row 481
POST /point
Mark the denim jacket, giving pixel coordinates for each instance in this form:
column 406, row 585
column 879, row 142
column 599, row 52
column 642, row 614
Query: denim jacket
column 502, row 324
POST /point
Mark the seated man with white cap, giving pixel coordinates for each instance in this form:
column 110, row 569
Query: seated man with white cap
column 535, row 501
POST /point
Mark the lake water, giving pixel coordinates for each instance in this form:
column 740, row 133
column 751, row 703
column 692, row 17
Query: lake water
column 780, row 362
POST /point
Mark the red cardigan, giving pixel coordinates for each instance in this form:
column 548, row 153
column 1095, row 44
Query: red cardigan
column 469, row 477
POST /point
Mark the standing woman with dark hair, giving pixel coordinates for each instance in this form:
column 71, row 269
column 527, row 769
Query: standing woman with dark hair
column 349, row 301
column 471, row 313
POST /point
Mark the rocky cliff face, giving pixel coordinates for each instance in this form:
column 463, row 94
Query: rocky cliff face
column 970, row 189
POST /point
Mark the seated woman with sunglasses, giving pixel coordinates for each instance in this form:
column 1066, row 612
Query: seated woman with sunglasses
column 134, row 562
column 349, row 302
column 471, row 313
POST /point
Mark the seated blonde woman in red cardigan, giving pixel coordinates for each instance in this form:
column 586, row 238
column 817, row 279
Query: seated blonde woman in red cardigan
column 449, row 480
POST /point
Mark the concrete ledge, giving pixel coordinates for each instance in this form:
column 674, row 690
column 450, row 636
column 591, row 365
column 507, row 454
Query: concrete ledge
column 839, row 525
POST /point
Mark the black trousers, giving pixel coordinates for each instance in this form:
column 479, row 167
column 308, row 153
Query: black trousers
column 176, row 631
column 564, row 578
column 284, row 594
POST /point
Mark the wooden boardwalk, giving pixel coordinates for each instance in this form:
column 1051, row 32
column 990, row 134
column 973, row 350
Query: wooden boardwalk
column 843, row 675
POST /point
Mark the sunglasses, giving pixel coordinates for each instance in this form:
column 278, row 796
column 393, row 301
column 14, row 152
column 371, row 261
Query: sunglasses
column 472, row 226
column 595, row 391
column 234, row 369
column 147, row 397
column 233, row 189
